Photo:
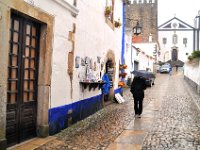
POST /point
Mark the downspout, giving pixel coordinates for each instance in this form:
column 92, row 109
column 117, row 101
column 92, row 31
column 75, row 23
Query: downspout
column 131, row 55
column 194, row 39
column 123, row 34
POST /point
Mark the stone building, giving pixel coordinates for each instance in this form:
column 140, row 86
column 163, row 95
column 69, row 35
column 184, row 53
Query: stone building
column 53, row 54
column 140, row 48
column 146, row 13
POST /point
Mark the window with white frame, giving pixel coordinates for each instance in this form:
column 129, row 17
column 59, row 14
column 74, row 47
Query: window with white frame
column 175, row 39
column 164, row 41
column 185, row 41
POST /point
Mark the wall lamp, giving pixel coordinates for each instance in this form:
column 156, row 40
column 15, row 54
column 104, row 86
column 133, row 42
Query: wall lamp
column 137, row 29
column 127, row 2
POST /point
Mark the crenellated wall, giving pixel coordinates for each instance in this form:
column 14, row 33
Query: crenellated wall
column 144, row 1
column 144, row 11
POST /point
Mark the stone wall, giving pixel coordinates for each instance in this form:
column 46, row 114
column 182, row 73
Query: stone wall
column 192, row 74
column 146, row 13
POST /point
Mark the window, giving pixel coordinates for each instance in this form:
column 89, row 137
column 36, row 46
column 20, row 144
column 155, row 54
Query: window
column 175, row 39
column 185, row 41
column 164, row 41
column 75, row 3
column 110, row 3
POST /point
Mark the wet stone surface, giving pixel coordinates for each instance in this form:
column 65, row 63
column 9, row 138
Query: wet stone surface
column 177, row 125
column 98, row 130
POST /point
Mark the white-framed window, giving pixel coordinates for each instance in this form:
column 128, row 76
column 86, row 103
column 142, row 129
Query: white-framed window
column 164, row 41
column 175, row 39
column 185, row 41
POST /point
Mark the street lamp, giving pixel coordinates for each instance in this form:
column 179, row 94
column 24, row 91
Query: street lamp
column 137, row 29
column 127, row 2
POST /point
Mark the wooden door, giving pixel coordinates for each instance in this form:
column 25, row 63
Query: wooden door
column 22, row 80
column 174, row 55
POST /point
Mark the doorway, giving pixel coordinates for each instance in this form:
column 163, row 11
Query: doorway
column 174, row 55
column 110, row 73
column 22, row 79
column 136, row 65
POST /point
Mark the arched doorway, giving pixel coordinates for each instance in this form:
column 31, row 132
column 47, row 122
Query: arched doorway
column 174, row 55
column 110, row 71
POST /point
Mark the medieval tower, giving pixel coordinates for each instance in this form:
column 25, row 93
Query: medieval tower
column 145, row 12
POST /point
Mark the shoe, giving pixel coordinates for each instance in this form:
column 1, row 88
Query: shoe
column 139, row 116
column 136, row 115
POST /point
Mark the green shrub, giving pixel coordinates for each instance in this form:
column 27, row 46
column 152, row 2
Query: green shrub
column 195, row 54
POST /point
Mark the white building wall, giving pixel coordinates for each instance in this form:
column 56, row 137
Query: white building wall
column 192, row 71
column 93, row 37
column 129, row 54
column 144, row 61
column 182, row 50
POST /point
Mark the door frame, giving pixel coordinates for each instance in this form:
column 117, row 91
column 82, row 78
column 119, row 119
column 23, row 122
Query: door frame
column 26, row 59
column 111, row 57
column 45, row 66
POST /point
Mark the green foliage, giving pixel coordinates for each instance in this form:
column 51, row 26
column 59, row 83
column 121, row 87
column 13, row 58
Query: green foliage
column 108, row 8
column 195, row 54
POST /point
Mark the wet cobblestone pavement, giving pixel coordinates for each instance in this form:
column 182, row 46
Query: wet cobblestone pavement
column 176, row 123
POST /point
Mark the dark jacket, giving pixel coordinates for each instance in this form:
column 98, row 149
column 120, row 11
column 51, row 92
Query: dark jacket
column 137, row 88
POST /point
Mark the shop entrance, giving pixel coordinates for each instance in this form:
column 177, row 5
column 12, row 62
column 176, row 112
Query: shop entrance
column 110, row 73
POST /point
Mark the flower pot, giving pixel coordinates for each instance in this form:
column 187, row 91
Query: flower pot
column 107, row 13
column 122, row 67
column 117, row 24
column 123, row 75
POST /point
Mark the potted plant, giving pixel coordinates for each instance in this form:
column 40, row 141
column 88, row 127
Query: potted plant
column 121, row 84
column 118, row 23
column 123, row 74
column 108, row 11
column 122, row 66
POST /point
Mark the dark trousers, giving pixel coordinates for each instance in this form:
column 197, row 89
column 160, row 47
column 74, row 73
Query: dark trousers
column 138, row 105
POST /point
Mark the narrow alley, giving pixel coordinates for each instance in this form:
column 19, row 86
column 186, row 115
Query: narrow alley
column 170, row 120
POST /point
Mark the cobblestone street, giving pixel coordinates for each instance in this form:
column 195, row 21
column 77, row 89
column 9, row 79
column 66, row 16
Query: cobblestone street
column 173, row 123
column 177, row 124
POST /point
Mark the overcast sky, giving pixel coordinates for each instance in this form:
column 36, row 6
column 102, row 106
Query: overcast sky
column 185, row 10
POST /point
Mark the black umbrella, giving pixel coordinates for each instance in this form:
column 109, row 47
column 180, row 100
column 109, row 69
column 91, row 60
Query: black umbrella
column 143, row 73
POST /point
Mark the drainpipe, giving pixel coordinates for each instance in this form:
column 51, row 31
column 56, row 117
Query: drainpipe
column 132, row 63
column 123, row 34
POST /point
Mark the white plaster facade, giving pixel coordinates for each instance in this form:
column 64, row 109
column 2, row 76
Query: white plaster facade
column 146, row 55
column 142, row 53
column 192, row 71
column 182, row 30
column 93, row 37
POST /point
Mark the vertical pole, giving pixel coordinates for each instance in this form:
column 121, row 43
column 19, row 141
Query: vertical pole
column 123, row 34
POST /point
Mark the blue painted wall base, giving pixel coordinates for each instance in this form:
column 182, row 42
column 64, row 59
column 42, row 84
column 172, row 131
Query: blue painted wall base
column 59, row 116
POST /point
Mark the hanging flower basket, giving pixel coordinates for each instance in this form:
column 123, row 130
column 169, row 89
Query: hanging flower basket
column 124, row 66
column 121, row 83
column 118, row 23
column 107, row 11
column 123, row 75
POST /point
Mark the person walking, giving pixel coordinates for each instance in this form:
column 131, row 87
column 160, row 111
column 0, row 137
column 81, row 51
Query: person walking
column 170, row 71
column 137, row 89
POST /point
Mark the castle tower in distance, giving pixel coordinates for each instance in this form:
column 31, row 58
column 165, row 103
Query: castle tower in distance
column 144, row 11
